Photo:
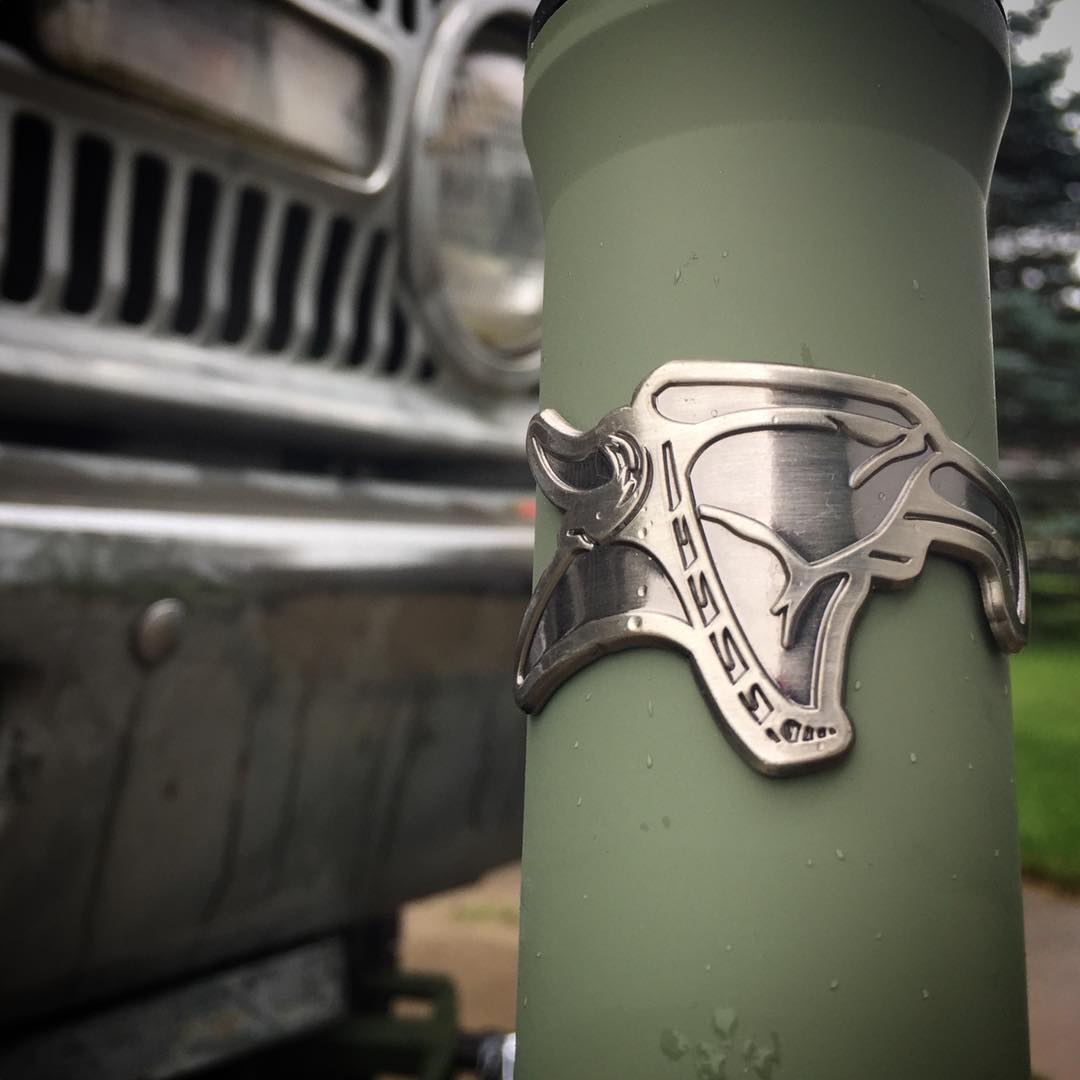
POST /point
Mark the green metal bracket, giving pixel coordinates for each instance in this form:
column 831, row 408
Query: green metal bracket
column 420, row 1041
column 423, row 1046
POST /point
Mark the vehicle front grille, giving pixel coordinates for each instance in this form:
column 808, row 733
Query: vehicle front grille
column 407, row 12
column 219, row 271
column 123, row 235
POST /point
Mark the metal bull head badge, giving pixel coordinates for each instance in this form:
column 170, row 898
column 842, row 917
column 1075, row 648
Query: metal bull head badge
column 742, row 513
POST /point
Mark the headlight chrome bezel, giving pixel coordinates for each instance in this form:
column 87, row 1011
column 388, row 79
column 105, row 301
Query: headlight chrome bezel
column 461, row 23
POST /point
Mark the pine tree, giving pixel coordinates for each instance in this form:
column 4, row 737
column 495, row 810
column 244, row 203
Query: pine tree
column 1034, row 229
column 1034, row 223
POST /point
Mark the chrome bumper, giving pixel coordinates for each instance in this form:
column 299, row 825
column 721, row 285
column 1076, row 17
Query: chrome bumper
column 330, row 734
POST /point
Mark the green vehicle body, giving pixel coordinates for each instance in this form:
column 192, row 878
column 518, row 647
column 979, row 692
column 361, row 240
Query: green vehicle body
column 800, row 184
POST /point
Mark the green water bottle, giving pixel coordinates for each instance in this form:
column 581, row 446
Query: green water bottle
column 770, row 823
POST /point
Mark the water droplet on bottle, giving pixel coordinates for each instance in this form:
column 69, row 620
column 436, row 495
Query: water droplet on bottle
column 650, row 707
column 955, row 877
column 835, row 984
column 809, row 862
column 840, row 854
column 673, row 1044
column 915, row 284
column 925, row 994
column 914, row 758
column 584, row 896
column 879, row 936
column 599, row 515
column 634, row 623
column 708, row 967
column 525, row 1002
column 724, row 1021
column 710, row 1062
column 997, row 853
column 648, row 761
column 858, row 685
column 666, row 821
column 642, row 533
column 539, row 955
column 728, row 948
column 577, row 745
column 579, row 800
column 723, row 254
column 970, row 766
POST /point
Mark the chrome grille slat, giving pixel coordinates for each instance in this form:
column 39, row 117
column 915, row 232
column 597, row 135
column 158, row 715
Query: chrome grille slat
column 345, row 312
column 163, row 308
column 387, row 14
column 7, row 117
column 413, row 352
column 429, row 12
column 267, row 257
column 55, row 263
column 114, row 268
column 298, row 343
column 374, row 357
column 216, row 300
column 7, row 152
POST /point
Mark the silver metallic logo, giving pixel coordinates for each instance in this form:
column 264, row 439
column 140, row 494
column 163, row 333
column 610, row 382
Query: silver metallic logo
column 742, row 513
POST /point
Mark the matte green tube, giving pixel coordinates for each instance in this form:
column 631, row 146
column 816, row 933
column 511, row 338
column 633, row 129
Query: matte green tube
column 799, row 183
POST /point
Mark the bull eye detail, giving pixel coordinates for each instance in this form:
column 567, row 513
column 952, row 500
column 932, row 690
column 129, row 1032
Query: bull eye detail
column 743, row 514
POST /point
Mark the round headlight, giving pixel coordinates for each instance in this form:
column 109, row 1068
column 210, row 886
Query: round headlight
column 476, row 249
column 490, row 233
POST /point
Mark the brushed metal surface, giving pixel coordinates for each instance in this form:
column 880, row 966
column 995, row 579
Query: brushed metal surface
column 331, row 735
column 743, row 513
column 184, row 1029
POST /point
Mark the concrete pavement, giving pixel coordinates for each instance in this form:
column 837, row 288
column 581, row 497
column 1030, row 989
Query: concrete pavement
column 1052, row 927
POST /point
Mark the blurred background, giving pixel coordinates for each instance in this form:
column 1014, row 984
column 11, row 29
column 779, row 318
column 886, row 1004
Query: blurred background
column 270, row 300
column 1033, row 220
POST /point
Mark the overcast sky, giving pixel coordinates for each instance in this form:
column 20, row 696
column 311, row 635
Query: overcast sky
column 1062, row 31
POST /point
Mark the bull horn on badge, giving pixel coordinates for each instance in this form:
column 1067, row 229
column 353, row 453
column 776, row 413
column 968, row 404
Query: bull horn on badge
column 742, row 513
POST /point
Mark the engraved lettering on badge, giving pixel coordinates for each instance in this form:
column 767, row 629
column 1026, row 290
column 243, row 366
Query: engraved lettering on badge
column 730, row 657
column 762, row 504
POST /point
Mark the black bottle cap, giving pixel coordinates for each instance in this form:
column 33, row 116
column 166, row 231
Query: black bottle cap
column 544, row 10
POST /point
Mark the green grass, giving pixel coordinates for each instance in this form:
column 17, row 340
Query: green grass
column 1046, row 696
